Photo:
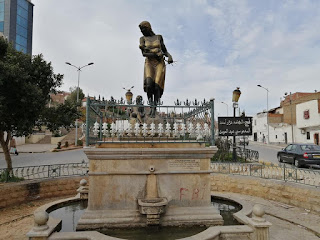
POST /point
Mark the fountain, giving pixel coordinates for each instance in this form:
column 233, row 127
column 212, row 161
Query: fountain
column 137, row 181
column 138, row 187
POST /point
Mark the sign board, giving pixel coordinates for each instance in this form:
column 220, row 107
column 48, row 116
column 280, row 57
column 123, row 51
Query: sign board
column 238, row 126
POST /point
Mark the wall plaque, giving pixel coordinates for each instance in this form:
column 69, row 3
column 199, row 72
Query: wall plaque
column 184, row 164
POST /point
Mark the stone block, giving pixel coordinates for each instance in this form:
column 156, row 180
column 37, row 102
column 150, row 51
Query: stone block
column 315, row 201
column 286, row 194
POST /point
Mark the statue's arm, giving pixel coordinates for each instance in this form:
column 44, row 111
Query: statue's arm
column 165, row 52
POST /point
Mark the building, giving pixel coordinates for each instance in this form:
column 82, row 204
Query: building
column 308, row 121
column 58, row 98
column 16, row 23
column 297, row 119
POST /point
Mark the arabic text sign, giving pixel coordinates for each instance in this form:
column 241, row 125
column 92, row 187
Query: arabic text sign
column 238, row 126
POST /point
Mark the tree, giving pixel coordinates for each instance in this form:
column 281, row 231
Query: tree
column 25, row 84
column 63, row 115
column 73, row 96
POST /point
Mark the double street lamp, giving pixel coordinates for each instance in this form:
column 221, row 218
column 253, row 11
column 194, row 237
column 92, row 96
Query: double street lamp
column 267, row 110
column 79, row 70
column 227, row 108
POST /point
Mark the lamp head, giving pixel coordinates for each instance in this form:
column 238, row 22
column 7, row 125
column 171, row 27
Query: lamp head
column 129, row 96
column 236, row 95
column 68, row 63
column 90, row 63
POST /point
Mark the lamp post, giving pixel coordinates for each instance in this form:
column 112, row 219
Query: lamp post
column 235, row 98
column 290, row 100
column 227, row 108
column 129, row 95
column 268, row 139
column 79, row 70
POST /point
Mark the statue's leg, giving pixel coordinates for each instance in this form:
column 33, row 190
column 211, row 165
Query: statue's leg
column 157, row 91
column 149, row 88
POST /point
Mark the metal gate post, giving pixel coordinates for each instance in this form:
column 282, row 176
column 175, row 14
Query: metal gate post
column 87, row 121
column 212, row 122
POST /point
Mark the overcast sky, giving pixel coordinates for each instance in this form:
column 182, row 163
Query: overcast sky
column 218, row 45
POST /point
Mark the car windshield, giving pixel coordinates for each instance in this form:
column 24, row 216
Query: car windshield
column 310, row 147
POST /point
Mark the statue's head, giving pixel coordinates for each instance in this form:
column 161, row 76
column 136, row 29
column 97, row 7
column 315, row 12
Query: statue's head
column 146, row 29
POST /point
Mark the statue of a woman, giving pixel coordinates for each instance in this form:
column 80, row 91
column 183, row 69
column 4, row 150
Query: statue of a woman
column 154, row 50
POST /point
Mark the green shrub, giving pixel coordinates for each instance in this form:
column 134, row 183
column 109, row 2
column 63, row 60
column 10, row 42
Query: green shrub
column 6, row 176
column 79, row 142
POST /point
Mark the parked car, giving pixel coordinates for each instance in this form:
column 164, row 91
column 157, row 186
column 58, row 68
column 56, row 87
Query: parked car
column 300, row 154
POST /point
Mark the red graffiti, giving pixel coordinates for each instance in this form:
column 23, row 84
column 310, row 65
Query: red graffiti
column 181, row 192
column 195, row 194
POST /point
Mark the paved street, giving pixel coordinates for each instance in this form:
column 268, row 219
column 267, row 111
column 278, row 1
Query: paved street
column 267, row 153
column 34, row 159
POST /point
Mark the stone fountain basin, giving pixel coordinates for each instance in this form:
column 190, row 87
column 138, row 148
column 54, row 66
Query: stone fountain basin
column 154, row 206
column 242, row 216
column 153, row 202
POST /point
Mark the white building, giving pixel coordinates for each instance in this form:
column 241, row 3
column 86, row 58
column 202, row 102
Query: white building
column 308, row 121
column 295, row 121
column 279, row 132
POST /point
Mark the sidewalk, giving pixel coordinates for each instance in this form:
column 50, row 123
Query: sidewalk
column 272, row 145
column 34, row 148
column 288, row 222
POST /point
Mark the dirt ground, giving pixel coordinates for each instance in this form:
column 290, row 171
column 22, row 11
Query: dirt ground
column 16, row 221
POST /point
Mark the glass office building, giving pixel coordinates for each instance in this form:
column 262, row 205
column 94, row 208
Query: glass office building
column 16, row 21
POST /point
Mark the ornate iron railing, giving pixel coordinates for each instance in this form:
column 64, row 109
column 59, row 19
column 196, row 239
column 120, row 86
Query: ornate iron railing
column 280, row 172
column 118, row 121
column 45, row 171
column 247, row 154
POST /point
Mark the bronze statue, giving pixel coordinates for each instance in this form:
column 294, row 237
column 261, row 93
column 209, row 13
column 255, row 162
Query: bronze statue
column 154, row 50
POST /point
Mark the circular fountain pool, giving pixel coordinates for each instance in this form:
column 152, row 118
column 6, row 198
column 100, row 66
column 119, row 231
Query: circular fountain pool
column 71, row 213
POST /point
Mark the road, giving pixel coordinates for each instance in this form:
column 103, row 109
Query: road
column 267, row 153
column 34, row 159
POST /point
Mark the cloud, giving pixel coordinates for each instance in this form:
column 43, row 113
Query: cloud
column 218, row 45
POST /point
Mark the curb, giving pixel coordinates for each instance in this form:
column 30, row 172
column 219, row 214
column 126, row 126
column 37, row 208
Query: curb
column 268, row 145
column 65, row 149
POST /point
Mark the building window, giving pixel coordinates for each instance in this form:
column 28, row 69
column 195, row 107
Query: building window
column 308, row 135
column 21, row 48
column 1, row 16
column 276, row 136
column 255, row 122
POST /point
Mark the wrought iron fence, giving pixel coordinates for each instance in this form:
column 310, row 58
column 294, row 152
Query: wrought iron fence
column 118, row 121
column 225, row 149
column 247, row 154
column 281, row 172
column 45, row 171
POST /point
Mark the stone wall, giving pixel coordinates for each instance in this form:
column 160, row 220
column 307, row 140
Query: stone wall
column 289, row 193
column 16, row 193
column 299, row 195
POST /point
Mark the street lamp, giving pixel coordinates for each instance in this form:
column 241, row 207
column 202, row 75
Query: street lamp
column 267, row 109
column 290, row 100
column 235, row 98
column 227, row 108
column 79, row 70
column 129, row 95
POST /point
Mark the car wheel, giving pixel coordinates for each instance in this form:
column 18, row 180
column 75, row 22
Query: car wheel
column 279, row 158
column 297, row 163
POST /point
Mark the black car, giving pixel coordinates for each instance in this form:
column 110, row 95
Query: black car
column 300, row 154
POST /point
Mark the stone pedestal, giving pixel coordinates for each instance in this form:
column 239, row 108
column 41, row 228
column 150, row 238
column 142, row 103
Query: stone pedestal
column 118, row 179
